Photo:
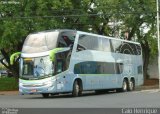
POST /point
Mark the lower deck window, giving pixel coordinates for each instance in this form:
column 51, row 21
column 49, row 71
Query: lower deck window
column 91, row 67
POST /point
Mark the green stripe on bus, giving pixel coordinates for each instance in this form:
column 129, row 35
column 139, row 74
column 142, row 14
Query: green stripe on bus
column 95, row 74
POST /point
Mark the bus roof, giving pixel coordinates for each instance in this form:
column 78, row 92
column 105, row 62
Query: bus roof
column 46, row 40
column 114, row 38
column 81, row 32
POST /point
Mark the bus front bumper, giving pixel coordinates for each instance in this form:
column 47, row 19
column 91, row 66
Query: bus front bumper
column 37, row 90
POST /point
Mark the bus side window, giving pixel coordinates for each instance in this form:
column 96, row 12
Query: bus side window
column 119, row 68
column 59, row 66
column 66, row 39
column 106, row 45
column 80, row 48
column 88, row 42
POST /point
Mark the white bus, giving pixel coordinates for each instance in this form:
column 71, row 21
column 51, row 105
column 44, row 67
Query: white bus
column 70, row 61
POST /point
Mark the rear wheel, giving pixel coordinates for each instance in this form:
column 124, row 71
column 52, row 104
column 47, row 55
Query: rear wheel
column 45, row 95
column 131, row 85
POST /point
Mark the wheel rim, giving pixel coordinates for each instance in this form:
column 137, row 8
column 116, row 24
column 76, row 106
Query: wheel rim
column 77, row 88
column 131, row 85
column 124, row 86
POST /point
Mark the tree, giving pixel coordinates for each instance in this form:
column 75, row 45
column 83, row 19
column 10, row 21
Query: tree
column 26, row 16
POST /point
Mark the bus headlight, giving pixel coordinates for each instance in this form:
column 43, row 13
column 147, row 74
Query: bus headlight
column 48, row 83
column 20, row 84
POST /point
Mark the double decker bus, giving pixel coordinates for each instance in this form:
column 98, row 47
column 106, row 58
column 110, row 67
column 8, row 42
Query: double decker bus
column 70, row 61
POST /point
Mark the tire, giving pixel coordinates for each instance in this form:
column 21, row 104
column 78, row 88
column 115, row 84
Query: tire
column 131, row 85
column 45, row 95
column 76, row 89
column 124, row 86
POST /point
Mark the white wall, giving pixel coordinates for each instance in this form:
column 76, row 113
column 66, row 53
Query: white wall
column 153, row 68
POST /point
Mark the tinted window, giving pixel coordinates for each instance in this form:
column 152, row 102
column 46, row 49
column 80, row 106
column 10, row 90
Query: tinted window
column 116, row 45
column 106, row 44
column 88, row 42
column 140, row 69
column 119, row 68
column 40, row 42
column 66, row 39
column 138, row 48
column 89, row 67
column 62, row 61
column 125, row 47
column 129, row 48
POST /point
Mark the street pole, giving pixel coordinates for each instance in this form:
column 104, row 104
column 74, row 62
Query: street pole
column 158, row 41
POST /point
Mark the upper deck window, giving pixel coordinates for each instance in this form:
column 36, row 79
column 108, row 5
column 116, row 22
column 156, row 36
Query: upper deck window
column 125, row 47
column 40, row 42
column 66, row 39
column 89, row 42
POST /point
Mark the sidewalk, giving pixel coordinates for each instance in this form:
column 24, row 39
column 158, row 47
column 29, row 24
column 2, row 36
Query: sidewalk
column 149, row 84
column 148, row 87
column 9, row 92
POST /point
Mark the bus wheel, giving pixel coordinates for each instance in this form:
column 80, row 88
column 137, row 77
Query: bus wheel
column 45, row 95
column 131, row 85
column 124, row 86
column 76, row 89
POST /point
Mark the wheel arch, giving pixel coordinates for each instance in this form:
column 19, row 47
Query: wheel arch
column 125, row 78
column 80, row 82
column 132, row 78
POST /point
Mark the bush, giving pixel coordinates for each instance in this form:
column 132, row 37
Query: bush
column 8, row 84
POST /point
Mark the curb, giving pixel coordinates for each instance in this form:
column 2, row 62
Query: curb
column 139, row 88
column 9, row 92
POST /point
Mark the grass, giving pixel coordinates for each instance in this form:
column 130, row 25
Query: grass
column 8, row 84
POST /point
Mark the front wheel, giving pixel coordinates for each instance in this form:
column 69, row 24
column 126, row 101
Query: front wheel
column 76, row 89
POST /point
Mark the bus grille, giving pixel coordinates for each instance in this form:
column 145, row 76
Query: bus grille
column 33, row 85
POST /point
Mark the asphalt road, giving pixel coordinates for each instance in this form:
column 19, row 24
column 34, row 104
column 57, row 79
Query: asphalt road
column 150, row 98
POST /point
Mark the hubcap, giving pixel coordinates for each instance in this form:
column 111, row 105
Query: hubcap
column 77, row 88
column 124, row 85
column 131, row 85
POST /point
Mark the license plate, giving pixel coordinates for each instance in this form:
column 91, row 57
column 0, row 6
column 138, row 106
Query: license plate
column 33, row 90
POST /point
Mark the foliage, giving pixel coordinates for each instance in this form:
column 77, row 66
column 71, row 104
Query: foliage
column 18, row 20
column 7, row 84
column 2, row 67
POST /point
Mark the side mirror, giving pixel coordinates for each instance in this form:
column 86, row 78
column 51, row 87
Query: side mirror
column 53, row 52
column 13, row 56
column 57, row 50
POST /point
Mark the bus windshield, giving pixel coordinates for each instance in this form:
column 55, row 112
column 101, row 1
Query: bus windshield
column 40, row 42
column 38, row 67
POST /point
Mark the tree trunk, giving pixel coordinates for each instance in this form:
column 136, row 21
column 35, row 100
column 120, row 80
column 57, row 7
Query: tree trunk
column 146, row 56
column 14, row 69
